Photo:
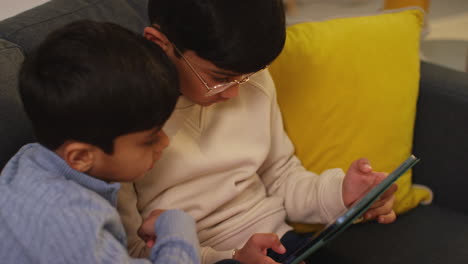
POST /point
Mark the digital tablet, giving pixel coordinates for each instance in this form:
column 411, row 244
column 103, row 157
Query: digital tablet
column 347, row 218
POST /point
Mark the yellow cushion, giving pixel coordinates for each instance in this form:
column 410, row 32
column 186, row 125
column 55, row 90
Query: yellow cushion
column 347, row 88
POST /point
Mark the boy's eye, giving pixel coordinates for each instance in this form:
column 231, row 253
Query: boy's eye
column 221, row 79
column 151, row 142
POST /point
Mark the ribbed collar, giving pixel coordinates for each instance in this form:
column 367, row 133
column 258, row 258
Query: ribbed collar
column 52, row 163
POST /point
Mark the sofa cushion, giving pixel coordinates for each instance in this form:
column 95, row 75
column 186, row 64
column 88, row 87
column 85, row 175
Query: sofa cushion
column 348, row 88
column 440, row 135
column 427, row 234
column 15, row 128
column 27, row 29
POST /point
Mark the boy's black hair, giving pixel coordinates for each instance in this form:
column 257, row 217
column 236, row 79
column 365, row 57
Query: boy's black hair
column 242, row 36
column 94, row 81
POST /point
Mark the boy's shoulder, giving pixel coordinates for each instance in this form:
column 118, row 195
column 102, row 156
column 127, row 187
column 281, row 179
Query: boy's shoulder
column 51, row 192
column 52, row 220
column 27, row 185
column 49, row 206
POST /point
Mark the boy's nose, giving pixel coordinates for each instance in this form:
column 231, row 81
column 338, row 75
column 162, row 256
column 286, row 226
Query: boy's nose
column 231, row 92
column 164, row 140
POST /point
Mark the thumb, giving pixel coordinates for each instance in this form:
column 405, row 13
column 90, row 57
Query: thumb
column 363, row 165
column 268, row 240
column 278, row 248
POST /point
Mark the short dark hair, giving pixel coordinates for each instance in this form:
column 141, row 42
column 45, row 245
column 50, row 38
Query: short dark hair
column 94, row 81
column 242, row 36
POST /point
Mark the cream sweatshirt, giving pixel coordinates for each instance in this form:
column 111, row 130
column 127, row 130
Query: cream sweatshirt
column 232, row 167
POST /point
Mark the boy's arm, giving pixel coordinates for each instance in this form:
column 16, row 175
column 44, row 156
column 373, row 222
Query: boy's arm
column 132, row 220
column 308, row 197
column 95, row 239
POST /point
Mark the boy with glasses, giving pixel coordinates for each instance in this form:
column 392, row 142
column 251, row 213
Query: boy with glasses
column 231, row 165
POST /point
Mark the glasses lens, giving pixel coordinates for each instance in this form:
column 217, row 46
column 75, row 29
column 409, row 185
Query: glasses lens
column 224, row 86
column 219, row 88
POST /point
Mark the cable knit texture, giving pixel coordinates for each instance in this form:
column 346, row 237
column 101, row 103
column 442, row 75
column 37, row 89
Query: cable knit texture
column 50, row 213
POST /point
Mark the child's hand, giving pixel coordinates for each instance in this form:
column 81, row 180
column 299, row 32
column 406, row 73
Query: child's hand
column 255, row 250
column 146, row 230
column 358, row 181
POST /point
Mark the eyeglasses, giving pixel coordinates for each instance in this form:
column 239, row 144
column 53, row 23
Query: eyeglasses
column 212, row 90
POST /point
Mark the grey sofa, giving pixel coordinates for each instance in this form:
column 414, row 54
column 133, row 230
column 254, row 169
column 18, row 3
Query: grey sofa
column 437, row 233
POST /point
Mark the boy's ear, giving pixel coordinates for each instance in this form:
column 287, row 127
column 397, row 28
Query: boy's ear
column 159, row 38
column 79, row 156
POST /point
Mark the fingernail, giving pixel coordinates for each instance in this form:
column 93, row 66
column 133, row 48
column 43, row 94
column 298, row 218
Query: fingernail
column 368, row 166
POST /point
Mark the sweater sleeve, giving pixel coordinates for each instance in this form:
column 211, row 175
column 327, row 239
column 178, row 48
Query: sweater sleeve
column 132, row 220
column 95, row 239
column 79, row 235
column 308, row 197
column 177, row 241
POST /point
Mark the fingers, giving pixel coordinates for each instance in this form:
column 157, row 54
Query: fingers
column 364, row 165
column 389, row 192
column 383, row 210
column 266, row 241
column 385, row 196
column 146, row 230
column 150, row 243
column 388, row 218
column 255, row 250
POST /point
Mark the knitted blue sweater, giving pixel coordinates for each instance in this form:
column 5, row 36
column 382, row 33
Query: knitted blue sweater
column 50, row 213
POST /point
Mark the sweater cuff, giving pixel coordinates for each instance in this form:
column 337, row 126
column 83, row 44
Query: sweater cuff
column 331, row 194
column 210, row 256
column 176, row 229
column 176, row 222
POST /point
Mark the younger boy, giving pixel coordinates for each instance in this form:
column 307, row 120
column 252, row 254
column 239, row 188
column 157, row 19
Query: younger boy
column 97, row 95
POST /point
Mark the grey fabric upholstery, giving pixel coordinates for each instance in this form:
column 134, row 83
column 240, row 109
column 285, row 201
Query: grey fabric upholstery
column 30, row 27
column 426, row 235
column 441, row 135
column 15, row 129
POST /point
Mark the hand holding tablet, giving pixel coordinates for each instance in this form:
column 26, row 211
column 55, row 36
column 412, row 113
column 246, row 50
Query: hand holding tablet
column 343, row 221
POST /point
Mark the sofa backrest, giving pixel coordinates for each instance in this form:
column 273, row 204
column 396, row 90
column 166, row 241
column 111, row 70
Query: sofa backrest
column 15, row 129
column 27, row 29
column 23, row 32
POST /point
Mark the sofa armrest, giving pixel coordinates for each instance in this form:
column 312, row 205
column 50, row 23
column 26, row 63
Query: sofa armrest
column 441, row 135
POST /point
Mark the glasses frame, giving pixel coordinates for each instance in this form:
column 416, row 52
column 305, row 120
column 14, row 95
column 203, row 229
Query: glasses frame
column 215, row 89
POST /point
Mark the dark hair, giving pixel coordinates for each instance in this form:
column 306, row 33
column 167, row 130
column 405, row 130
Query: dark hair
column 242, row 36
column 94, row 81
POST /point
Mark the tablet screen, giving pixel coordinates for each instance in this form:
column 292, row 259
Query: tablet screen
column 344, row 220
